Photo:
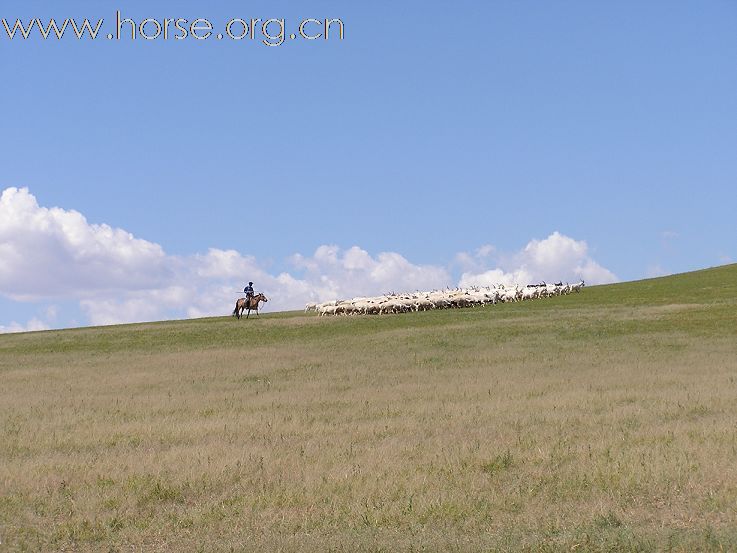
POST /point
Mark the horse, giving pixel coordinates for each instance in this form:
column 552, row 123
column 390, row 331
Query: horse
column 250, row 304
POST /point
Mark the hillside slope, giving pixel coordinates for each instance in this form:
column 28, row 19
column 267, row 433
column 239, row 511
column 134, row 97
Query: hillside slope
column 597, row 421
column 712, row 291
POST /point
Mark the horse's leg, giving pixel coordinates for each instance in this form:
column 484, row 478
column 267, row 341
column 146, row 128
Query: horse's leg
column 249, row 312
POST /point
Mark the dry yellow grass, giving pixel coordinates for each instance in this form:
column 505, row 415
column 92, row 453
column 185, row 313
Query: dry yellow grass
column 574, row 424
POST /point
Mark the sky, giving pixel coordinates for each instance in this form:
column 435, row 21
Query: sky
column 438, row 144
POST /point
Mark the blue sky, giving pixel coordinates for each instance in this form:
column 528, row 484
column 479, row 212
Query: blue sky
column 433, row 128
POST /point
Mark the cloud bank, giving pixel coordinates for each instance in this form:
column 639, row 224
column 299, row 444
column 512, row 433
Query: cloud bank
column 555, row 258
column 32, row 325
column 52, row 253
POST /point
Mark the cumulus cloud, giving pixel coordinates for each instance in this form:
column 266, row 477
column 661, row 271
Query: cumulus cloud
column 32, row 325
column 49, row 253
column 116, row 277
column 496, row 276
column 476, row 261
column 557, row 257
column 212, row 279
column 336, row 273
column 55, row 252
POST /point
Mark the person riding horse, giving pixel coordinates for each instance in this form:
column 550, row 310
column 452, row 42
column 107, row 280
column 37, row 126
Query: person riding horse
column 248, row 290
column 248, row 304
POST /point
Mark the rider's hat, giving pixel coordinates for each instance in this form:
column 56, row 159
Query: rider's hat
column 250, row 283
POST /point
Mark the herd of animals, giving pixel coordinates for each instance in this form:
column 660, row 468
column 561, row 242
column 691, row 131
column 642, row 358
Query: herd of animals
column 442, row 299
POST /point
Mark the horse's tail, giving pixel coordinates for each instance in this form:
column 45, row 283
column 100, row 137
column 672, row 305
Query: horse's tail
column 235, row 311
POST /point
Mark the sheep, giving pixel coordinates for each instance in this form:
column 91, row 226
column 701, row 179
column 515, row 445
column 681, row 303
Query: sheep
column 442, row 299
column 578, row 286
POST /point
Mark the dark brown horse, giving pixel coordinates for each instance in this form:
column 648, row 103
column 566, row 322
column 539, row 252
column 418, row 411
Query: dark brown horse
column 250, row 304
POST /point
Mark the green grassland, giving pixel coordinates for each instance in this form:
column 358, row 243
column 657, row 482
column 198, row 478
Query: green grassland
column 600, row 421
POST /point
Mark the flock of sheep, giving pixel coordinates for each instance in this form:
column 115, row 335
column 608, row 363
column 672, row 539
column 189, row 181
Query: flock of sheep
column 442, row 299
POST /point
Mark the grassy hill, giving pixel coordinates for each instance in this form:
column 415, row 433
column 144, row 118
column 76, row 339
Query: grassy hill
column 600, row 421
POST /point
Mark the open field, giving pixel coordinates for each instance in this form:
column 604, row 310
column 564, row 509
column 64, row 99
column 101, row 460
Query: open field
column 600, row 421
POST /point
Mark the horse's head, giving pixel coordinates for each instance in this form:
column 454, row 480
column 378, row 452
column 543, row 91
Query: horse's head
column 262, row 298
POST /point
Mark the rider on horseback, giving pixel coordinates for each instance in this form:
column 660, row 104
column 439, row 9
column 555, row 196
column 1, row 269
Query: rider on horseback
column 250, row 303
column 248, row 290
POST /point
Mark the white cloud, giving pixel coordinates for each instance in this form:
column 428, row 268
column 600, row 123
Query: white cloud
column 32, row 325
column 557, row 257
column 476, row 261
column 116, row 277
column 214, row 280
column 334, row 273
column 54, row 253
column 495, row 276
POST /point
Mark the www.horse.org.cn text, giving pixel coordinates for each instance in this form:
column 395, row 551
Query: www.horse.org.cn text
column 269, row 32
